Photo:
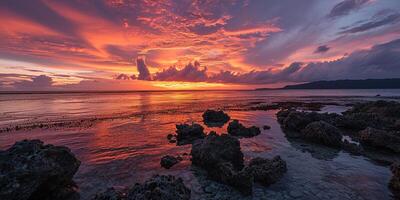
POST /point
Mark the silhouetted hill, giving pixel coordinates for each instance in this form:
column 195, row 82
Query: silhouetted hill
column 348, row 84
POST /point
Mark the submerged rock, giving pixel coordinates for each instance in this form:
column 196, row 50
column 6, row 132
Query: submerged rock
column 186, row 134
column 168, row 161
column 215, row 118
column 380, row 139
column 237, row 129
column 214, row 149
column 394, row 183
column 160, row 187
column 266, row 171
column 32, row 170
column 323, row 133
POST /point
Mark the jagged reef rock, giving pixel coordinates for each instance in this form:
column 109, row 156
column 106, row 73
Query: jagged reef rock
column 237, row 129
column 32, row 170
column 168, row 161
column 187, row 134
column 215, row 118
column 161, row 187
column 380, row 139
column 323, row 133
column 266, row 171
column 214, row 149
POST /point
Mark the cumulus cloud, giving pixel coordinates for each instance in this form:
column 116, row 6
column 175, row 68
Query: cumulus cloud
column 126, row 77
column 322, row 49
column 345, row 7
column 377, row 21
column 381, row 61
column 144, row 73
column 191, row 72
column 41, row 82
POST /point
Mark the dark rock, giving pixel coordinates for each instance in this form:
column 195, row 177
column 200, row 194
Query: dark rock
column 266, row 127
column 376, row 114
column 168, row 161
column 32, row 170
column 237, row 129
column 323, row 133
column 380, row 139
column 224, row 172
column 394, row 183
column 170, row 136
column 266, row 171
column 215, row 118
column 109, row 194
column 214, row 149
column 186, row 134
column 160, row 187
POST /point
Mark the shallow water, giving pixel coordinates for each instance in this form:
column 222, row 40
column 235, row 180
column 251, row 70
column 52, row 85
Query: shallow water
column 124, row 145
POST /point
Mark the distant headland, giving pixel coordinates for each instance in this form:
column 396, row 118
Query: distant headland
column 393, row 83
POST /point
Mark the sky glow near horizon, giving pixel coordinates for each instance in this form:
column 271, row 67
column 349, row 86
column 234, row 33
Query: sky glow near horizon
column 143, row 45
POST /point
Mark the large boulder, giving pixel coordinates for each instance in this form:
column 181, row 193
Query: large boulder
column 237, row 129
column 215, row 118
column 323, row 133
column 188, row 133
column 214, row 149
column 160, row 187
column 394, row 183
column 32, row 170
column 380, row 139
column 224, row 172
column 266, row 171
column 168, row 161
column 376, row 114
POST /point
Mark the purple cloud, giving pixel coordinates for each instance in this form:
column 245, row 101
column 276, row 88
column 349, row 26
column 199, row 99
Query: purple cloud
column 41, row 82
column 144, row 73
column 322, row 49
column 345, row 7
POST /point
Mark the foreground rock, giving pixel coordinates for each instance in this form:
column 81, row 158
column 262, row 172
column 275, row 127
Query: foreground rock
column 214, row 149
column 237, row 129
column 215, row 118
column 323, row 133
column 222, row 158
column 160, row 187
column 383, row 115
column 266, row 171
column 168, row 161
column 380, row 139
column 32, row 170
column 187, row 134
column 394, row 183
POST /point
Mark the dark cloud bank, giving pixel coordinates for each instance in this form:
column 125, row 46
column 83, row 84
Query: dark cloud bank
column 381, row 61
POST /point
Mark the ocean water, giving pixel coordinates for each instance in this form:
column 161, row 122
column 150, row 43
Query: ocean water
column 120, row 138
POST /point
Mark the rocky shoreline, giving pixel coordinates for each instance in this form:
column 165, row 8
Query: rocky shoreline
column 33, row 170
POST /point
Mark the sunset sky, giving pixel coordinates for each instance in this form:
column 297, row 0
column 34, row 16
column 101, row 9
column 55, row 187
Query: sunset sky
column 142, row 45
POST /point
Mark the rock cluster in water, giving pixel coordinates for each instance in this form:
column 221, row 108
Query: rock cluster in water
column 169, row 161
column 237, row 129
column 160, row 187
column 32, row 170
column 376, row 125
column 188, row 133
column 222, row 158
column 215, row 118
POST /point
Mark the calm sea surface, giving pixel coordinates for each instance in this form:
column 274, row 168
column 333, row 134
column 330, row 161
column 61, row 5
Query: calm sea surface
column 120, row 138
